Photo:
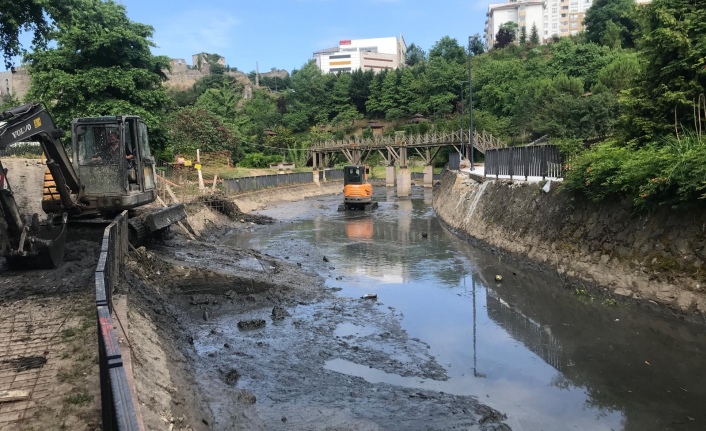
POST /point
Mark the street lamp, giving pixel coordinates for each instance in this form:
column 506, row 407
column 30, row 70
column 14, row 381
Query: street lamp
column 461, row 85
column 471, row 39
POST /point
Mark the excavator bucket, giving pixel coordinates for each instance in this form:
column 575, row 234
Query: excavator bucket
column 43, row 249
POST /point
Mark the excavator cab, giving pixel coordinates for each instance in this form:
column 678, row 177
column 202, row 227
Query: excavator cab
column 357, row 192
column 113, row 159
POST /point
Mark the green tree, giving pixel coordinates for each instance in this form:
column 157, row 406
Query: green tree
column 359, row 90
column 448, row 49
column 101, row 65
column 506, row 34
column 605, row 18
column 194, row 128
column 523, row 35
column 32, row 16
column 309, row 102
column 534, row 35
column 674, row 50
column 220, row 101
column 415, row 55
column 477, row 47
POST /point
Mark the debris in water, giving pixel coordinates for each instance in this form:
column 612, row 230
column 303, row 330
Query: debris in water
column 232, row 376
column 325, row 259
column 498, row 277
column 370, row 296
column 279, row 313
column 251, row 324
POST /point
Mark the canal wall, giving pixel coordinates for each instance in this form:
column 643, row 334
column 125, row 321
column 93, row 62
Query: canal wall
column 655, row 258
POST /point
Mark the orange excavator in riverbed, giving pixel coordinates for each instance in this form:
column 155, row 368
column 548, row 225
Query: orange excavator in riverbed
column 357, row 191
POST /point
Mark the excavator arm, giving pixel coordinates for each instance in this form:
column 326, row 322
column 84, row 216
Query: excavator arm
column 23, row 242
column 32, row 122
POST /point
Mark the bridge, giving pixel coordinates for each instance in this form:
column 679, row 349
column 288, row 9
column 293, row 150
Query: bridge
column 395, row 151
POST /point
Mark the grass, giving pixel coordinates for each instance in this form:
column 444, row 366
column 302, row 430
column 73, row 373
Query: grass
column 78, row 399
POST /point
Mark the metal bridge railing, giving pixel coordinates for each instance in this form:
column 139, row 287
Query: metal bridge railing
column 116, row 394
column 530, row 161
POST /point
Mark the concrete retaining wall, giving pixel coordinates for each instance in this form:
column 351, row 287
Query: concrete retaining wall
column 656, row 257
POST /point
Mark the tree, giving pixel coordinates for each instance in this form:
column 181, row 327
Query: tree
column 523, row 35
column 608, row 16
column 415, row 55
column 506, row 34
column 194, row 128
column 101, row 65
column 448, row 49
column 34, row 16
column 534, row 35
column 675, row 74
column 477, row 47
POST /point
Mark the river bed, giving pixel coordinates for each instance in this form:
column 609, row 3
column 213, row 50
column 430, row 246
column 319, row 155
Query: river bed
column 549, row 357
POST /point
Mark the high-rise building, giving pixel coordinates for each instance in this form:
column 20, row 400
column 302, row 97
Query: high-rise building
column 365, row 54
column 557, row 17
column 526, row 13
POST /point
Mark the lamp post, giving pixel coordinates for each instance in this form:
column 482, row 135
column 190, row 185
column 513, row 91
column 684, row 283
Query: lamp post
column 470, row 99
column 462, row 115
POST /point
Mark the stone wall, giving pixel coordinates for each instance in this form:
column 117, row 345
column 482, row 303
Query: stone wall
column 657, row 257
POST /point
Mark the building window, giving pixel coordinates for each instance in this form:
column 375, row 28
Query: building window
column 333, row 57
column 555, row 25
column 553, row 10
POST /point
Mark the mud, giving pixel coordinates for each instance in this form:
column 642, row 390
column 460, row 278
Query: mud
column 250, row 323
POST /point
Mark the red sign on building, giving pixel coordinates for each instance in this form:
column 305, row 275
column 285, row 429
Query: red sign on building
column 345, row 42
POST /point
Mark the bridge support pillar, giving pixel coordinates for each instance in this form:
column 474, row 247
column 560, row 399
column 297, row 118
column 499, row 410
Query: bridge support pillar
column 404, row 182
column 428, row 176
column 390, row 176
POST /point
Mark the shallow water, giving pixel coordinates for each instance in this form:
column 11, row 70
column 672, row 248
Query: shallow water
column 549, row 357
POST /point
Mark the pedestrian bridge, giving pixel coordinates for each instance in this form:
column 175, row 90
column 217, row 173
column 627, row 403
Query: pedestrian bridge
column 396, row 148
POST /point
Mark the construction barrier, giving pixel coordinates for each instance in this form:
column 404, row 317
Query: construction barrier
column 116, row 395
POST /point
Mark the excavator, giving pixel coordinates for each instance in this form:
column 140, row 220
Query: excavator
column 87, row 189
column 357, row 191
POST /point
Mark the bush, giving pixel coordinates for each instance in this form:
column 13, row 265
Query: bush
column 258, row 160
column 672, row 172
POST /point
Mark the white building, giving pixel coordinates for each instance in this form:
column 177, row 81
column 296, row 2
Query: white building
column 558, row 18
column 526, row 13
column 366, row 54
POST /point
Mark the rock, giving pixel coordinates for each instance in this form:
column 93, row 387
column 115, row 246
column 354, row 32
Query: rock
column 231, row 377
column 251, row 324
column 325, row 259
column 247, row 397
column 279, row 313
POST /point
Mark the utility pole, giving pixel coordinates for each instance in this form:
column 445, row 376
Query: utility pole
column 470, row 100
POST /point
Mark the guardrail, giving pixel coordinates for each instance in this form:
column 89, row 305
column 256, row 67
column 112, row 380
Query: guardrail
column 534, row 161
column 116, row 396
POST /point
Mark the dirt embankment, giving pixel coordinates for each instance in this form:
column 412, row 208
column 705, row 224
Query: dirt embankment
column 655, row 258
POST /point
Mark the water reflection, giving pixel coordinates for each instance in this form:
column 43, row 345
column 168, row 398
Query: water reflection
column 525, row 346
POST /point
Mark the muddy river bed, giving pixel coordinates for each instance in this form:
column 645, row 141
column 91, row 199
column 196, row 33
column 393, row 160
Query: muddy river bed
column 415, row 329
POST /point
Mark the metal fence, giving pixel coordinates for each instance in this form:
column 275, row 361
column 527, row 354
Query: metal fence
column 116, row 396
column 247, row 184
column 331, row 174
column 530, row 161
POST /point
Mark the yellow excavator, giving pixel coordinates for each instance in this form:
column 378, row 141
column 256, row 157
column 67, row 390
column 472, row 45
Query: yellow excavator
column 357, row 191
column 87, row 189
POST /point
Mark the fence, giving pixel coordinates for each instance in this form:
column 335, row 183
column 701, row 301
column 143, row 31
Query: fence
column 535, row 161
column 116, row 397
column 247, row 184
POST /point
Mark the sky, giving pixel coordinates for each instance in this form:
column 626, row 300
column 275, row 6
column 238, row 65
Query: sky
column 284, row 34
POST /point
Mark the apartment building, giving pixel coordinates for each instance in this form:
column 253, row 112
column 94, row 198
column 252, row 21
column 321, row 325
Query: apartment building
column 366, row 54
column 558, row 18
column 526, row 13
